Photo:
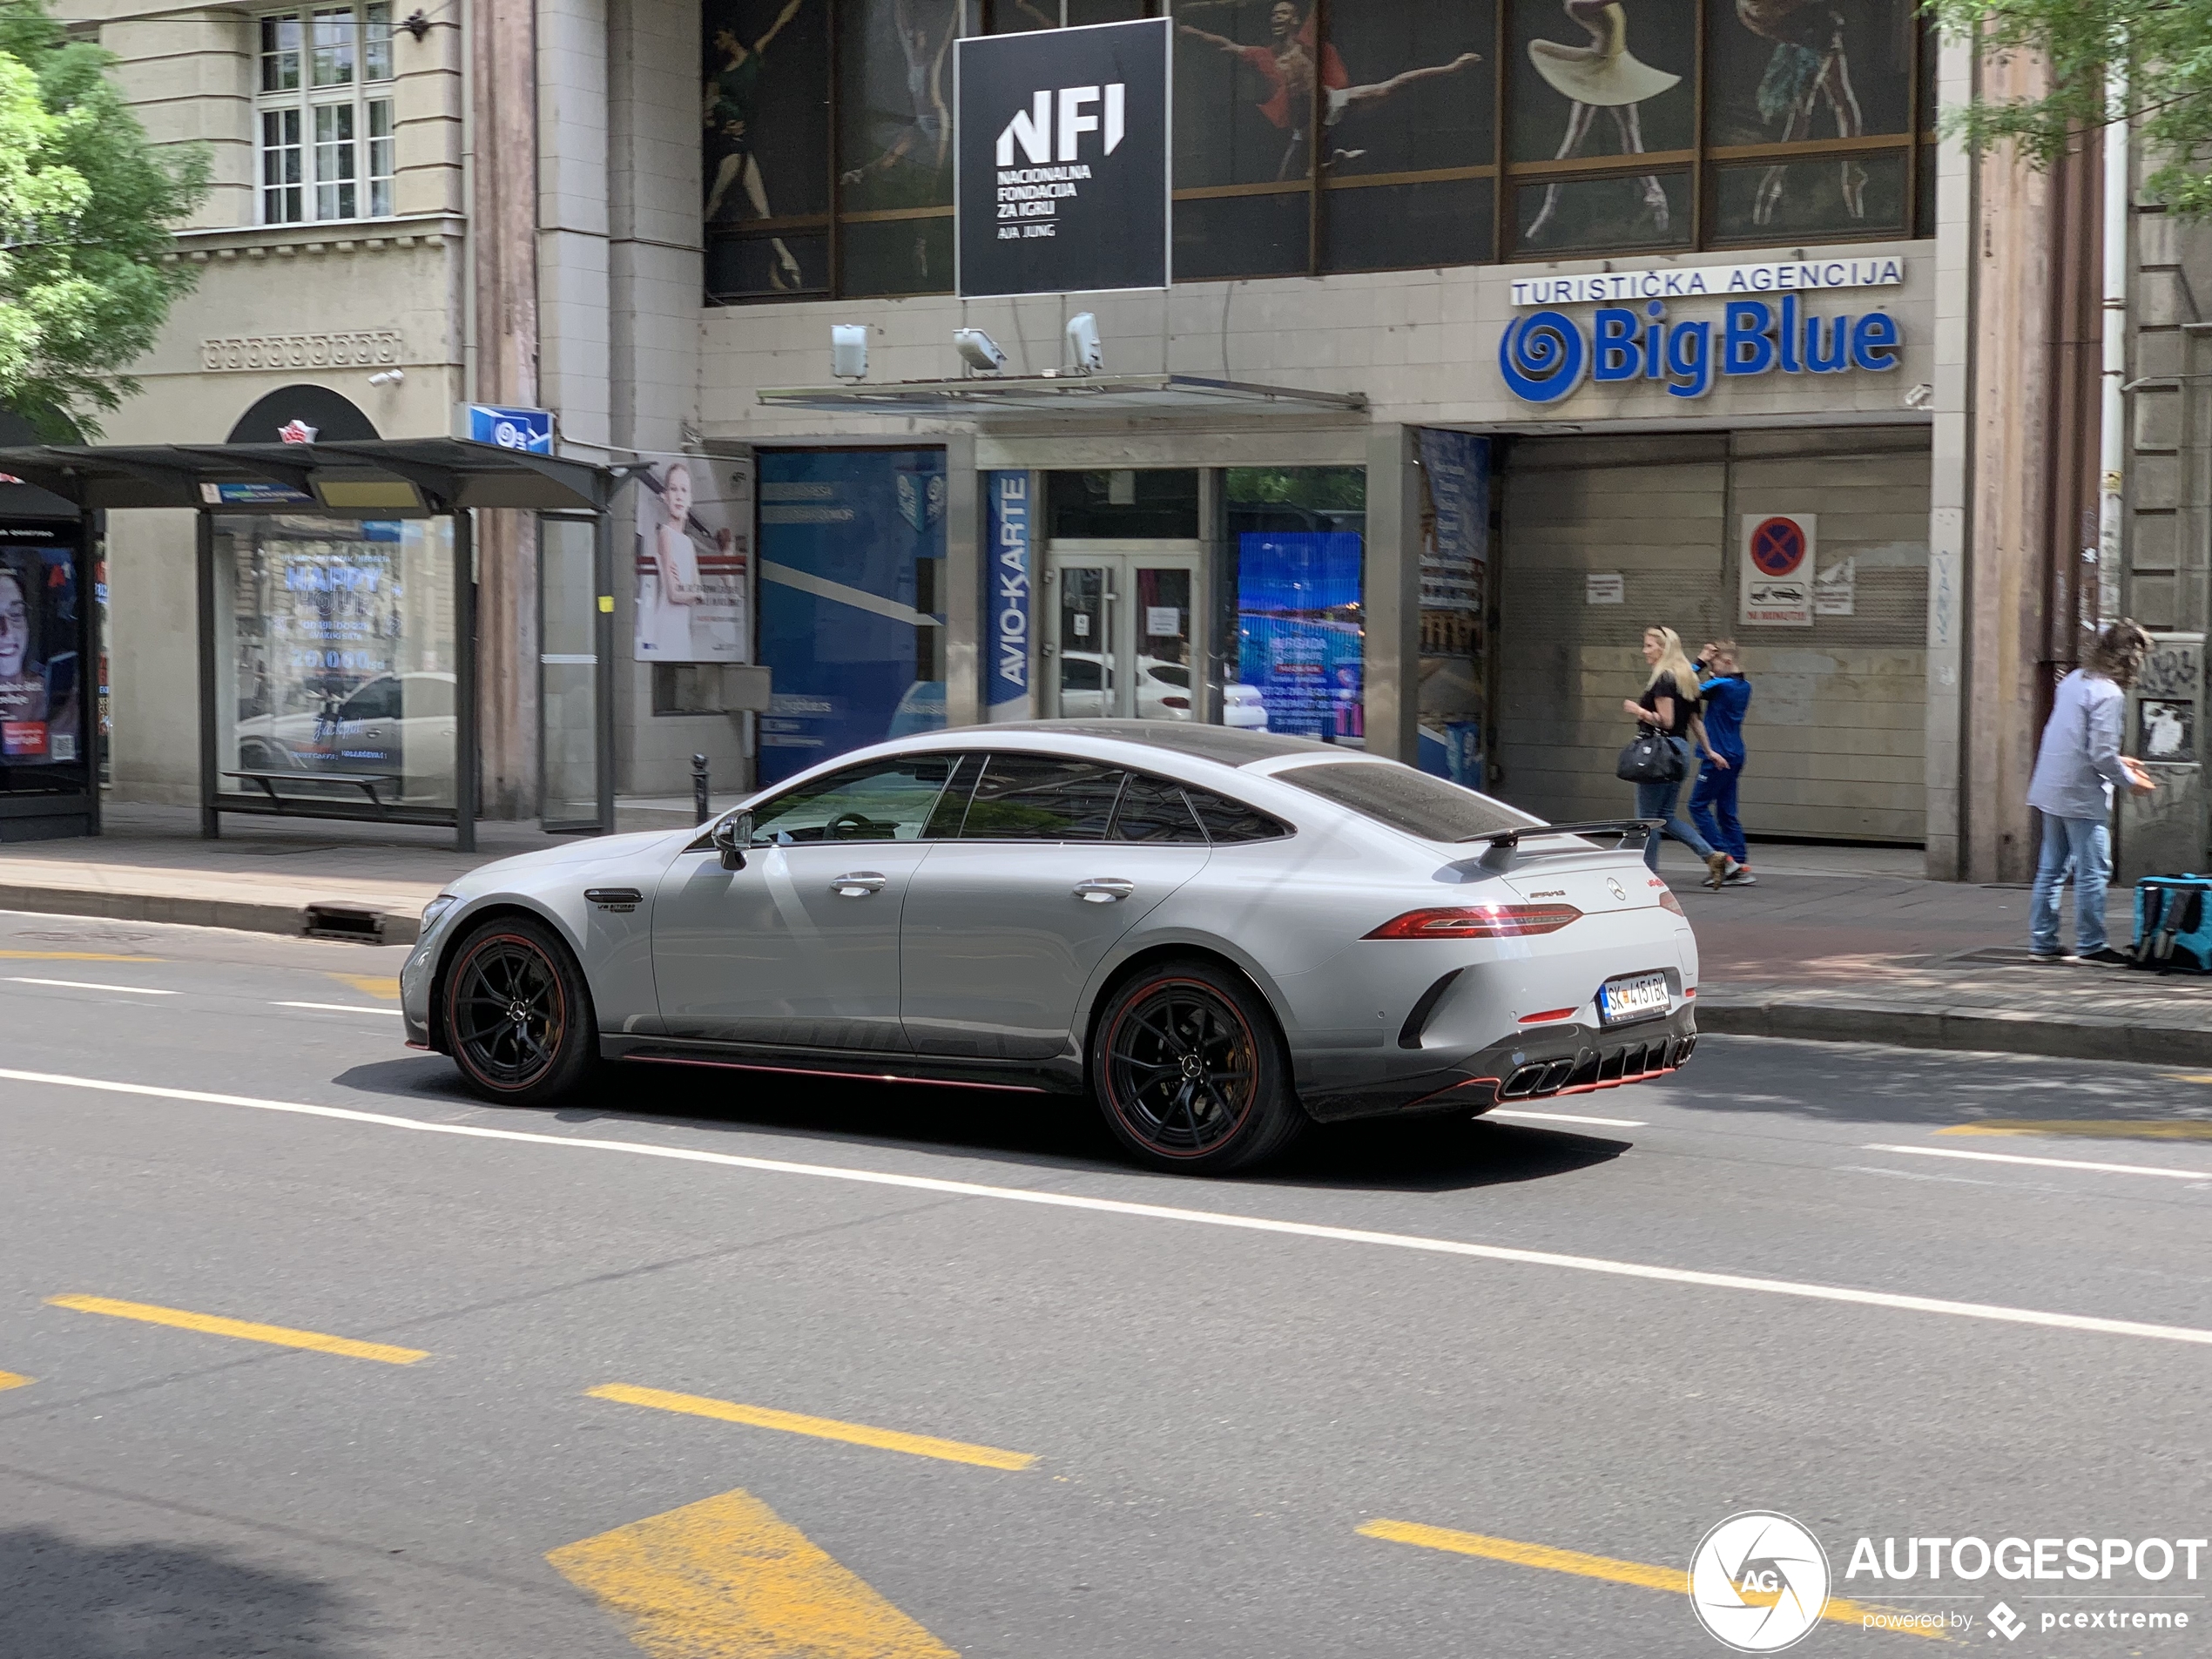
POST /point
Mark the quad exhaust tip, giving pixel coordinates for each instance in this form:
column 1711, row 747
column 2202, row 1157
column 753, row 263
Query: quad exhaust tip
column 1590, row 1070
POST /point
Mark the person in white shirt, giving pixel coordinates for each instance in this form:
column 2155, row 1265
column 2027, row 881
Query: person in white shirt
column 2076, row 770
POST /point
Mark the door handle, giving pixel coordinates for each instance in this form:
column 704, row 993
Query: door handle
column 859, row 884
column 1104, row 889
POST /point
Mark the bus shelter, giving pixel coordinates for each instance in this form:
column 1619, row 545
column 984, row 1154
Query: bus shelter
column 337, row 623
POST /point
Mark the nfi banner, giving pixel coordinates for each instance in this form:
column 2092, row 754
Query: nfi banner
column 1009, row 693
column 1548, row 354
column 1059, row 180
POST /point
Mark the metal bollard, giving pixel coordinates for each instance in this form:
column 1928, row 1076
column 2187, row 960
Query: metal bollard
column 701, row 809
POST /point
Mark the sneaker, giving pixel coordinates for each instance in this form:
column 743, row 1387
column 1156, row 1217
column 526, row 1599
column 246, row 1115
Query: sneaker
column 1740, row 876
column 1718, row 865
column 2106, row 958
column 2051, row 956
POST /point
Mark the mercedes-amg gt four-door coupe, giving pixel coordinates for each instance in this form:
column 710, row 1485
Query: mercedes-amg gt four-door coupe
column 1218, row 936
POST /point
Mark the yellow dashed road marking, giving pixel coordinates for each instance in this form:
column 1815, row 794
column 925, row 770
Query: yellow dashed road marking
column 215, row 1324
column 824, row 1428
column 382, row 985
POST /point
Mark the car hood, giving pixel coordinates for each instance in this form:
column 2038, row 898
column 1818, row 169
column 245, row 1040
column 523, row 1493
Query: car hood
column 636, row 848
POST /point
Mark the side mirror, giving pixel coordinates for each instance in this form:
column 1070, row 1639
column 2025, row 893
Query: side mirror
column 731, row 836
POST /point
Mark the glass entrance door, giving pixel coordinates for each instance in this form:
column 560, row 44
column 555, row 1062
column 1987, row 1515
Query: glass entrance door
column 573, row 717
column 1125, row 640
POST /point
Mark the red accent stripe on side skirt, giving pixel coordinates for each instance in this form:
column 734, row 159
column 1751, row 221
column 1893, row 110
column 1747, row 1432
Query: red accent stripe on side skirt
column 846, row 1076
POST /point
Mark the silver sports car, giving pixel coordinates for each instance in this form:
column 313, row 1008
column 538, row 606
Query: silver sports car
column 1218, row 936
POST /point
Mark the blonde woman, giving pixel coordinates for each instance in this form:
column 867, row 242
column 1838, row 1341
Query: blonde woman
column 666, row 611
column 1668, row 706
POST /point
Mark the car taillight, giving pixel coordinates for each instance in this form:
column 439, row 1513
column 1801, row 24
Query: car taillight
column 1175, row 702
column 1667, row 901
column 1479, row 922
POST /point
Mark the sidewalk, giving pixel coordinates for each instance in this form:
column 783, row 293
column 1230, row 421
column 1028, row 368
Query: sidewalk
column 1849, row 944
column 1844, row 944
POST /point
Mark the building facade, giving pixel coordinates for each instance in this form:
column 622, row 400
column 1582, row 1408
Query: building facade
column 1337, row 477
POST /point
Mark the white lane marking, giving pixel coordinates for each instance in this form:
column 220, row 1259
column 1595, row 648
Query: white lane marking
column 2042, row 1164
column 335, row 1008
column 1569, row 1117
column 1164, row 1213
column 87, row 985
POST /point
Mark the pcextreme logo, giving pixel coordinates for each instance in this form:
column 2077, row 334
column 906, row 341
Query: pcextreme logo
column 1759, row 1582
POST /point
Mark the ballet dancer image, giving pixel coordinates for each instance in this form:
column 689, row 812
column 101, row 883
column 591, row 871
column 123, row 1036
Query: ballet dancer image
column 1810, row 63
column 1604, row 75
column 1287, row 64
column 731, row 95
column 930, row 132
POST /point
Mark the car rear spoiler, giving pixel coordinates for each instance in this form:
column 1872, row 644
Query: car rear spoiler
column 1504, row 847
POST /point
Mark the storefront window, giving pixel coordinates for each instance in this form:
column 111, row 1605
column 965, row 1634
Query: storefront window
column 766, row 138
column 337, row 656
column 1297, row 626
column 43, row 679
column 852, row 600
column 1315, row 136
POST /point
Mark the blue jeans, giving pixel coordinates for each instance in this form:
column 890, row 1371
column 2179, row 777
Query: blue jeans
column 2087, row 845
column 1712, row 805
column 1658, row 800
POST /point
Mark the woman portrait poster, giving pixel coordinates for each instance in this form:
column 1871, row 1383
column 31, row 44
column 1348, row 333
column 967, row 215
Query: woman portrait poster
column 692, row 571
column 38, row 696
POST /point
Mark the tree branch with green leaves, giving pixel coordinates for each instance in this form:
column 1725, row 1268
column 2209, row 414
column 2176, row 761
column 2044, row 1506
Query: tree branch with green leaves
column 87, row 204
column 2166, row 48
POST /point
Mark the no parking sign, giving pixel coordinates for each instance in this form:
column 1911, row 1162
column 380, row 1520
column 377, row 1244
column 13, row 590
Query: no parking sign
column 1778, row 566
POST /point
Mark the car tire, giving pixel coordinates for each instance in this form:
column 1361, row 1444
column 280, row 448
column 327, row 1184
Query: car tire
column 518, row 1016
column 1189, row 1071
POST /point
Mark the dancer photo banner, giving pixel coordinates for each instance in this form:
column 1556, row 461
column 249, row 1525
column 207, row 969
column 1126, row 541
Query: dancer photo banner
column 1061, row 175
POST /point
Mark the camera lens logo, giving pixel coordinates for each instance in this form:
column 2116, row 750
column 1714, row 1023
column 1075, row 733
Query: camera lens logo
column 1759, row 1582
column 1541, row 358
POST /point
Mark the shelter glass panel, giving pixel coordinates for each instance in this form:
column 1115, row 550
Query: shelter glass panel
column 337, row 658
column 42, row 675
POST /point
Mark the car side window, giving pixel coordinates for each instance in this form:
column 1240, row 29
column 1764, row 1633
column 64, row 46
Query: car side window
column 883, row 801
column 1231, row 820
column 378, row 700
column 426, row 694
column 1153, row 809
column 1041, row 797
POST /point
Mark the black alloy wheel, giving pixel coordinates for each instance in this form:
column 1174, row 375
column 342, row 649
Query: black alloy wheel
column 1188, row 1070
column 517, row 1016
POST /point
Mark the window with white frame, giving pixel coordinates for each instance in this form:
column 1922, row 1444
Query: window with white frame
column 325, row 113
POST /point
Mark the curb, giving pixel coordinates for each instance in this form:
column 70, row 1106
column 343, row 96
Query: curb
column 1983, row 1031
column 362, row 923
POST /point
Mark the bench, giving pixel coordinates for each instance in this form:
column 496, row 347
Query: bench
column 365, row 781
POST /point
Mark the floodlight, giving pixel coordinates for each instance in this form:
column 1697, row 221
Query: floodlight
column 978, row 350
column 1087, row 356
column 849, row 350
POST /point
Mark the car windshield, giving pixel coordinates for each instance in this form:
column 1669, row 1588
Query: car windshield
column 1409, row 800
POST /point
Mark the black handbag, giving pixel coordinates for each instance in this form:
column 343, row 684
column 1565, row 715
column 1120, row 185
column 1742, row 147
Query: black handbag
column 1650, row 759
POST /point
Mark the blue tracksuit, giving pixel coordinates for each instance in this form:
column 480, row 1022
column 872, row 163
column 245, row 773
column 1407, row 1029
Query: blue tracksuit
column 1712, row 803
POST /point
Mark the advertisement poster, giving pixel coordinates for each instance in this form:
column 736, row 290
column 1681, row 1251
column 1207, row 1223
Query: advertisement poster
column 1061, row 160
column 1298, row 630
column 1455, row 546
column 852, row 600
column 1778, row 567
column 341, row 649
column 1007, row 693
column 40, row 678
column 692, row 564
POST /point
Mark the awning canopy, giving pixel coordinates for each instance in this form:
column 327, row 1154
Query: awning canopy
column 371, row 476
column 1067, row 395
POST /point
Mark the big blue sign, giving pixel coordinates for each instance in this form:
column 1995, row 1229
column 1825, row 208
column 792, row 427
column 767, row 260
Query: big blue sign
column 1544, row 356
column 1006, row 578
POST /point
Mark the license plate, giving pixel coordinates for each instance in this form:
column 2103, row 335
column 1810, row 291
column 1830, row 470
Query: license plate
column 1632, row 997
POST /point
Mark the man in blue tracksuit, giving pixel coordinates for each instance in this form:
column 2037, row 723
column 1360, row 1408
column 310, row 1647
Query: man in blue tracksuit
column 1712, row 803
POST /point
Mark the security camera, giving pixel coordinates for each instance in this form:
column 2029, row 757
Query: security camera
column 389, row 377
column 849, row 350
column 1919, row 396
column 1083, row 349
column 978, row 350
